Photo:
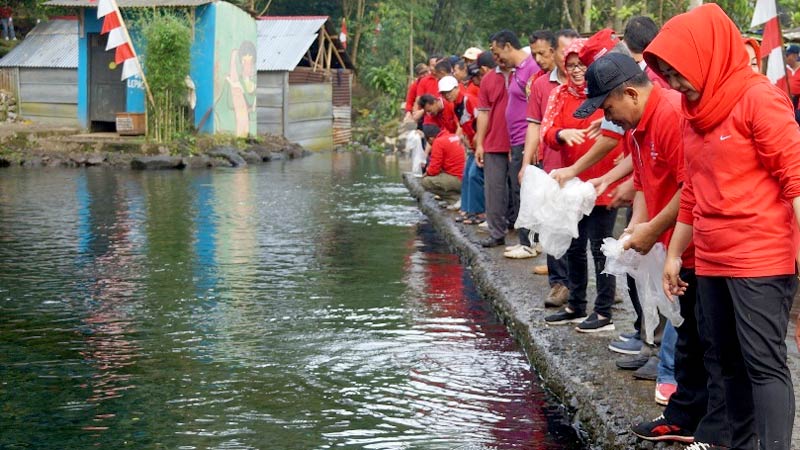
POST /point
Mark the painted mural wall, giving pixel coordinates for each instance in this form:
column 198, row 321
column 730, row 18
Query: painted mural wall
column 234, row 71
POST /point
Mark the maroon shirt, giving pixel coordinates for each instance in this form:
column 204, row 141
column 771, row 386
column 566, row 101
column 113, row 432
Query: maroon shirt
column 493, row 98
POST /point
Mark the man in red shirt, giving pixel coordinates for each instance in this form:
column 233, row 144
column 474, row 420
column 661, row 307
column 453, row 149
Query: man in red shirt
column 439, row 112
column 446, row 166
column 7, row 20
column 655, row 132
column 413, row 113
column 492, row 145
column 548, row 49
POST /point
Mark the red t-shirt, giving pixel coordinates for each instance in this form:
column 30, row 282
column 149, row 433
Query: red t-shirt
column 565, row 119
column 447, row 154
column 657, row 152
column 473, row 89
column 428, row 84
column 411, row 95
column 465, row 109
column 493, row 98
column 445, row 119
column 741, row 178
column 541, row 88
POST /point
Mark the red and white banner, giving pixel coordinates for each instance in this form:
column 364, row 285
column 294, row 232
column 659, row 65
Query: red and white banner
column 343, row 34
column 766, row 13
column 118, row 38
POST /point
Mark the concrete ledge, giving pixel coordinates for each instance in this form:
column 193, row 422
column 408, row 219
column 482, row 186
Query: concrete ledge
column 578, row 369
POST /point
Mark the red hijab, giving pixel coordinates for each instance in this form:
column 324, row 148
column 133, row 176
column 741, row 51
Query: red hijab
column 555, row 103
column 756, row 47
column 705, row 47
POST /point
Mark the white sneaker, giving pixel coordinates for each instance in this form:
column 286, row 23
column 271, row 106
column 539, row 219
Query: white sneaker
column 538, row 247
column 455, row 206
column 484, row 226
column 512, row 247
column 522, row 252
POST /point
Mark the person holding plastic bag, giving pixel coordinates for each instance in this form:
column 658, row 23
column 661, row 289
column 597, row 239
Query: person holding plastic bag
column 655, row 130
column 563, row 132
column 740, row 206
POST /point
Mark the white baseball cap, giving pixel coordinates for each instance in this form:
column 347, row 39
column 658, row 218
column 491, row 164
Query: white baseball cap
column 472, row 53
column 447, row 84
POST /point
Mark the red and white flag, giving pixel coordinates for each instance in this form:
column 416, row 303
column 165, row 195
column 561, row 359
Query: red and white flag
column 766, row 13
column 117, row 38
column 343, row 34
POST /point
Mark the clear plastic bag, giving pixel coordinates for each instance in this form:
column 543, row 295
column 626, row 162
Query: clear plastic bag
column 553, row 211
column 647, row 271
column 414, row 147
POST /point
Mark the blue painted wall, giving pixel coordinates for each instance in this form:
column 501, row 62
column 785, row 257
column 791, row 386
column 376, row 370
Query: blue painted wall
column 202, row 68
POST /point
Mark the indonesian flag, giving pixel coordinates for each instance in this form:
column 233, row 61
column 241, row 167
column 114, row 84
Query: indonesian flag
column 343, row 34
column 772, row 41
column 117, row 37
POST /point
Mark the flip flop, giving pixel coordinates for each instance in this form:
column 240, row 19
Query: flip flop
column 474, row 220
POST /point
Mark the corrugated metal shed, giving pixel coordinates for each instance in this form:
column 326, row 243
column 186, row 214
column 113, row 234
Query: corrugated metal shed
column 129, row 3
column 282, row 41
column 52, row 44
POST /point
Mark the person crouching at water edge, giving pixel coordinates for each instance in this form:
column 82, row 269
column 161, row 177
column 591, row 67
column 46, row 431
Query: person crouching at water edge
column 740, row 206
column 446, row 166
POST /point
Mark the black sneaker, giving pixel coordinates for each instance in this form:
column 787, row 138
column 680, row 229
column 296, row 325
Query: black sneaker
column 661, row 430
column 564, row 316
column 594, row 324
column 632, row 363
column 492, row 242
column 649, row 371
column 704, row 446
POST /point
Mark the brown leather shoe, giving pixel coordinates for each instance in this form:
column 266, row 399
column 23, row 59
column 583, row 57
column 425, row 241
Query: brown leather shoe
column 540, row 270
column 558, row 296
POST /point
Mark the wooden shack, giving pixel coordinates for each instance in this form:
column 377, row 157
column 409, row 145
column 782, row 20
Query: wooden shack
column 304, row 81
column 42, row 71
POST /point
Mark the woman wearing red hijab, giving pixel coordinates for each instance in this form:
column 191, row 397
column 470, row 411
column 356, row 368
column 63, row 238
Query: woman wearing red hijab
column 740, row 204
column 565, row 133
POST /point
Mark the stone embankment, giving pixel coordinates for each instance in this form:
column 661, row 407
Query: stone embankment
column 577, row 368
column 38, row 146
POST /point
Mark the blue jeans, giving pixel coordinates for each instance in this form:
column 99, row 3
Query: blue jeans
column 472, row 196
column 666, row 367
column 8, row 28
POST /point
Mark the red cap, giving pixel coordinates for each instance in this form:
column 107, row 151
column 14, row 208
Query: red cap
column 598, row 45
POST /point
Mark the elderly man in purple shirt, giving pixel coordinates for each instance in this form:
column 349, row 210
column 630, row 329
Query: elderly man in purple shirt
column 507, row 49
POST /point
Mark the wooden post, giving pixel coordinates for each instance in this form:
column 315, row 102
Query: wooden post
column 330, row 50
column 338, row 56
column 411, row 50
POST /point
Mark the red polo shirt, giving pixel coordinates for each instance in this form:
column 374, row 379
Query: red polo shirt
column 541, row 89
column 493, row 98
column 428, row 85
column 445, row 119
column 656, row 146
column 447, row 155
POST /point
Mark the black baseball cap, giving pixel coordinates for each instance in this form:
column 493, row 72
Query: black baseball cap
column 486, row 59
column 603, row 76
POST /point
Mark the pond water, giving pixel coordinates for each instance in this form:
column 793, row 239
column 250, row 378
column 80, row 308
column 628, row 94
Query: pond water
column 298, row 305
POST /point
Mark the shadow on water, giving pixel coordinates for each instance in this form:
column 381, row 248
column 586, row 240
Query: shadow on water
column 299, row 305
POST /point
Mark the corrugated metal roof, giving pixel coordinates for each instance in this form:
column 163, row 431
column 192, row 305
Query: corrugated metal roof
column 52, row 44
column 282, row 41
column 129, row 3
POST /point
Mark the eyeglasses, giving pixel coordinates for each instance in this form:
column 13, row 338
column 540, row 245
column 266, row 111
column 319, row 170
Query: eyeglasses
column 571, row 67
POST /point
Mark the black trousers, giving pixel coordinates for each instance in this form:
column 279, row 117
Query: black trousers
column 748, row 319
column 514, row 166
column 592, row 229
column 633, row 293
column 699, row 403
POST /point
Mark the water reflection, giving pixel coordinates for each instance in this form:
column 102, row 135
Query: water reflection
column 294, row 306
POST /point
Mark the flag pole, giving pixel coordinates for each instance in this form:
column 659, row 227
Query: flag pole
column 135, row 55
